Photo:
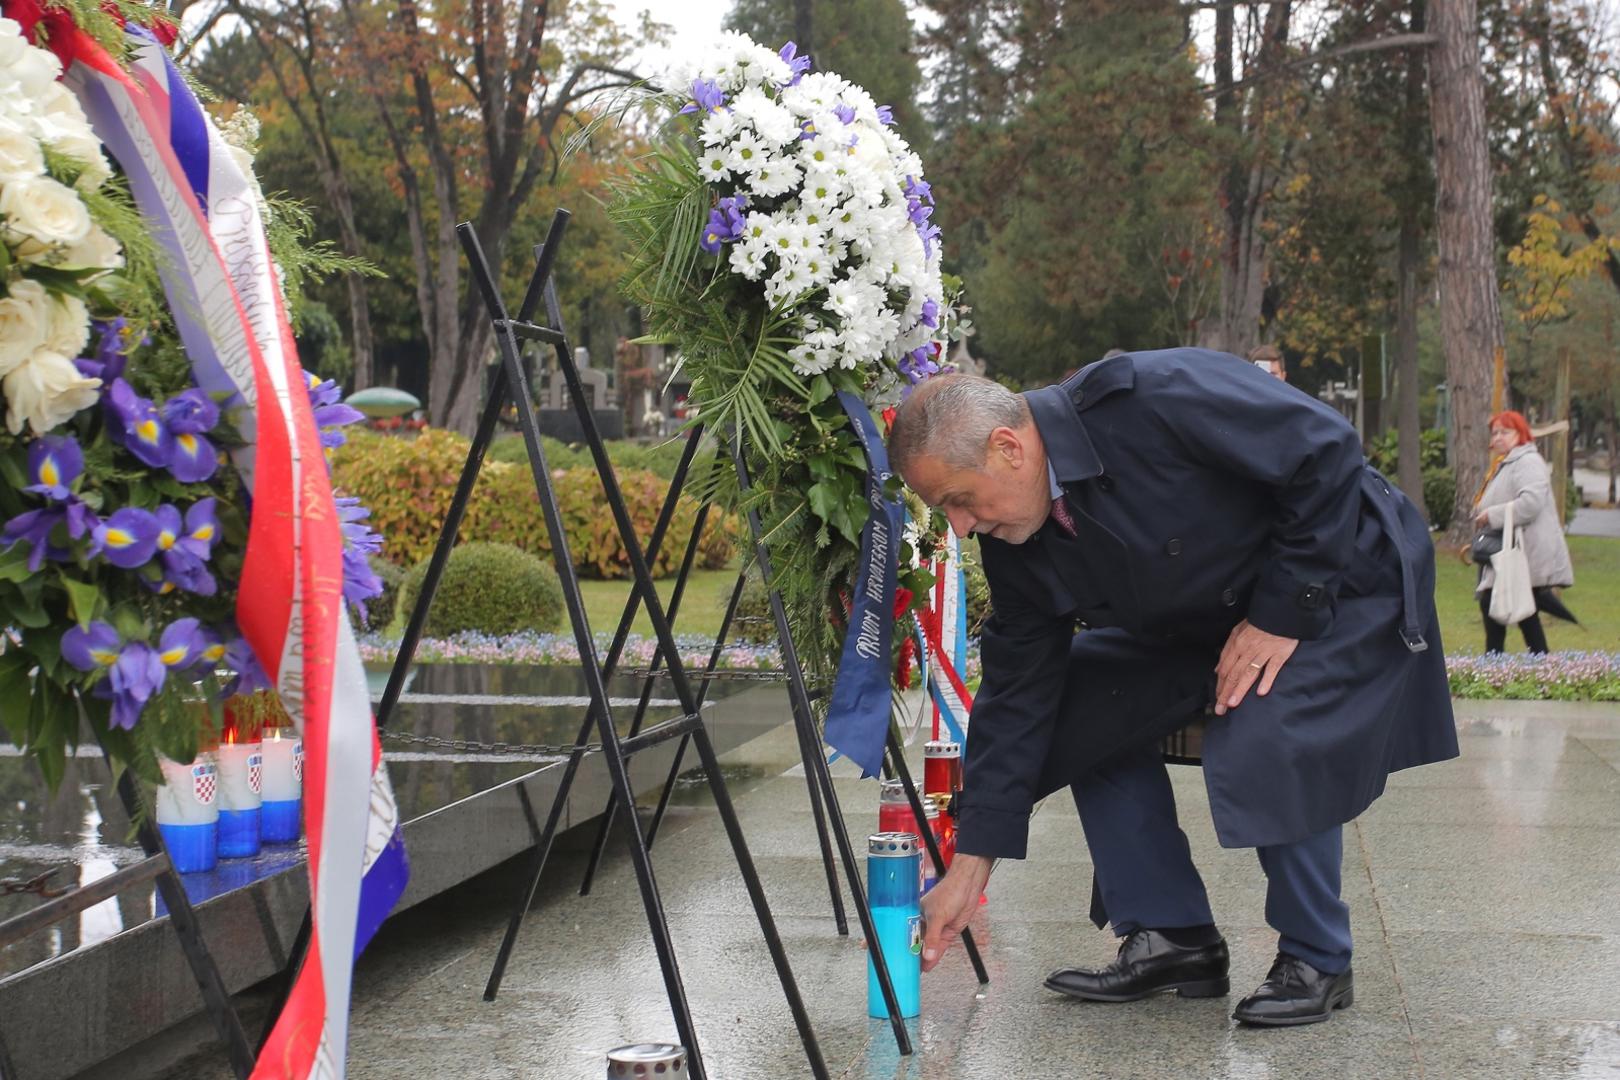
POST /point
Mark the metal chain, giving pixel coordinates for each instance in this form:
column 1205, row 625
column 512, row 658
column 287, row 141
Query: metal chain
column 39, row 885
column 719, row 675
column 472, row 746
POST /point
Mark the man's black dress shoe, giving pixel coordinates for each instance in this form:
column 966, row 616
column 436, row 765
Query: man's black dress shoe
column 1149, row 963
column 1296, row 993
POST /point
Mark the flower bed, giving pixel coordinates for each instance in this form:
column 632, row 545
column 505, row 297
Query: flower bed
column 1566, row 676
column 1560, row 676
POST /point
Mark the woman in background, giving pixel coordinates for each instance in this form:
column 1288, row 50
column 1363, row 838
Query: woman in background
column 1522, row 479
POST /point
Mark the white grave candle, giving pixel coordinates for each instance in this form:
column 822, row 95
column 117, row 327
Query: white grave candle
column 241, row 769
column 283, row 786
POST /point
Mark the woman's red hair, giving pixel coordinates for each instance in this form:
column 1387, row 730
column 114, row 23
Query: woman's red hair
column 1516, row 422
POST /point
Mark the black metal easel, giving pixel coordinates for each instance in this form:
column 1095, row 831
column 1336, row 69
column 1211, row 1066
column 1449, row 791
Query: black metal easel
column 818, row 777
column 510, row 383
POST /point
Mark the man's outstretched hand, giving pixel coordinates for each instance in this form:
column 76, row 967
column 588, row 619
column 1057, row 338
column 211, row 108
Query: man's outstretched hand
column 1250, row 654
column 949, row 905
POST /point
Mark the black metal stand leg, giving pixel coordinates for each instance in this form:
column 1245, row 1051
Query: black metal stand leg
column 897, row 757
column 542, row 847
column 680, row 750
column 683, row 690
column 216, row 999
column 612, row 753
column 817, row 764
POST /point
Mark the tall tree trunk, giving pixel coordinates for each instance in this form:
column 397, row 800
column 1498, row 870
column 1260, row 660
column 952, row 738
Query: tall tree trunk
column 1470, row 312
column 1248, row 179
column 1409, row 433
column 803, row 26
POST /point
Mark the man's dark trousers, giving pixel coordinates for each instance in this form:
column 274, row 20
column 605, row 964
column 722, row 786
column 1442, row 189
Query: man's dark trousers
column 1148, row 880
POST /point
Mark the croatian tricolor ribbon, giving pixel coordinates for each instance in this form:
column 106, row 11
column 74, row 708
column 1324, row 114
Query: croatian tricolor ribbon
column 858, row 711
column 227, row 304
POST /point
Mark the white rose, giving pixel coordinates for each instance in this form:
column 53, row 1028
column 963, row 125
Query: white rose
column 69, row 330
column 25, row 320
column 97, row 251
column 12, row 44
column 36, row 70
column 20, row 158
column 44, row 214
column 45, row 392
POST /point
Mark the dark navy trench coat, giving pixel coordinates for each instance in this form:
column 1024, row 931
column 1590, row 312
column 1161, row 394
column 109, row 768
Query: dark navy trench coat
column 1206, row 491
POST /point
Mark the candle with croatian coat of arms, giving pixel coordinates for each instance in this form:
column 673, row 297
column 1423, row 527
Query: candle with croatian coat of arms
column 282, row 789
column 188, row 811
column 241, row 776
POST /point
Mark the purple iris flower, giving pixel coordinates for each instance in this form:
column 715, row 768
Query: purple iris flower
column 727, row 222
column 111, row 353
column 183, row 565
column 885, row 115
column 706, row 97
column 192, row 458
column 250, row 677
column 930, row 314
column 917, row 212
column 202, row 529
column 918, row 189
column 92, row 647
column 846, row 113
column 929, row 233
column 211, row 649
column 135, row 676
column 54, row 462
column 34, row 528
column 182, row 644
column 190, row 412
column 796, row 63
column 918, row 364
column 326, row 399
column 128, row 539
column 360, row 581
column 134, row 423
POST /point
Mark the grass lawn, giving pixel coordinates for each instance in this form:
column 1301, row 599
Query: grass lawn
column 1595, row 599
column 702, row 604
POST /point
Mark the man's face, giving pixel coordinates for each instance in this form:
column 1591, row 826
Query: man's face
column 1008, row 497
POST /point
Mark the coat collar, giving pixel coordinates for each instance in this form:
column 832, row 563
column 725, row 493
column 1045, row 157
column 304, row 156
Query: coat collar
column 1518, row 452
column 1068, row 448
column 1057, row 409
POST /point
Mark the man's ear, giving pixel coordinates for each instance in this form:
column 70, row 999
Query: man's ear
column 1006, row 443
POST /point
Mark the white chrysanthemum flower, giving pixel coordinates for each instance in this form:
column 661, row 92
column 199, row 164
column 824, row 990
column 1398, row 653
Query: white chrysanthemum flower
column 750, row 259
column 811, row 362
column 746, row 154
column 714, row 164
column 776, row 177
column 719, row 125
column 786, row 236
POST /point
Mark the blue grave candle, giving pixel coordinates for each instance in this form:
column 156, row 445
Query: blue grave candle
column 894, row 888
column 188, row 812
column 241, row 772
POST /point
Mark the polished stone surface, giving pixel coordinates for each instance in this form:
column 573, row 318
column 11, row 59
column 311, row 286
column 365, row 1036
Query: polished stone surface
column 1486, row 908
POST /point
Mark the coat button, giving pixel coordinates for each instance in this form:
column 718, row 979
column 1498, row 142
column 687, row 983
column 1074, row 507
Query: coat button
column 1173, row 547
column 1079, row 396
column 1311, row 597
column 1105, row 482
column 1228, row 597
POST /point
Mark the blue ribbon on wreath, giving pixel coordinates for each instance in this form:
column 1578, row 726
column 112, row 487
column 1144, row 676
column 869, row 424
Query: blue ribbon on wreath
column 858, row 713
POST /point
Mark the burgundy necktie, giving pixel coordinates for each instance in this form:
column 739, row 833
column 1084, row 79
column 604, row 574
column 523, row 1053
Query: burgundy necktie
column 1063, row 516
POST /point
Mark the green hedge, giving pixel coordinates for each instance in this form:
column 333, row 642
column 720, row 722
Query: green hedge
column 408, row 484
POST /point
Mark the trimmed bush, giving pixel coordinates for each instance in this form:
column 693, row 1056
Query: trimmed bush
column 488, row 588
column 1439, row 496
column 380, row 609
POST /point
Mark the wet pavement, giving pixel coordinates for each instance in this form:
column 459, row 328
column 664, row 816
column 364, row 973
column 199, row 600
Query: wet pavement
column 1485, row 895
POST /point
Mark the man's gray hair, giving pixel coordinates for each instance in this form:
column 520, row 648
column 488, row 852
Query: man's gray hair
column 950, row 417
